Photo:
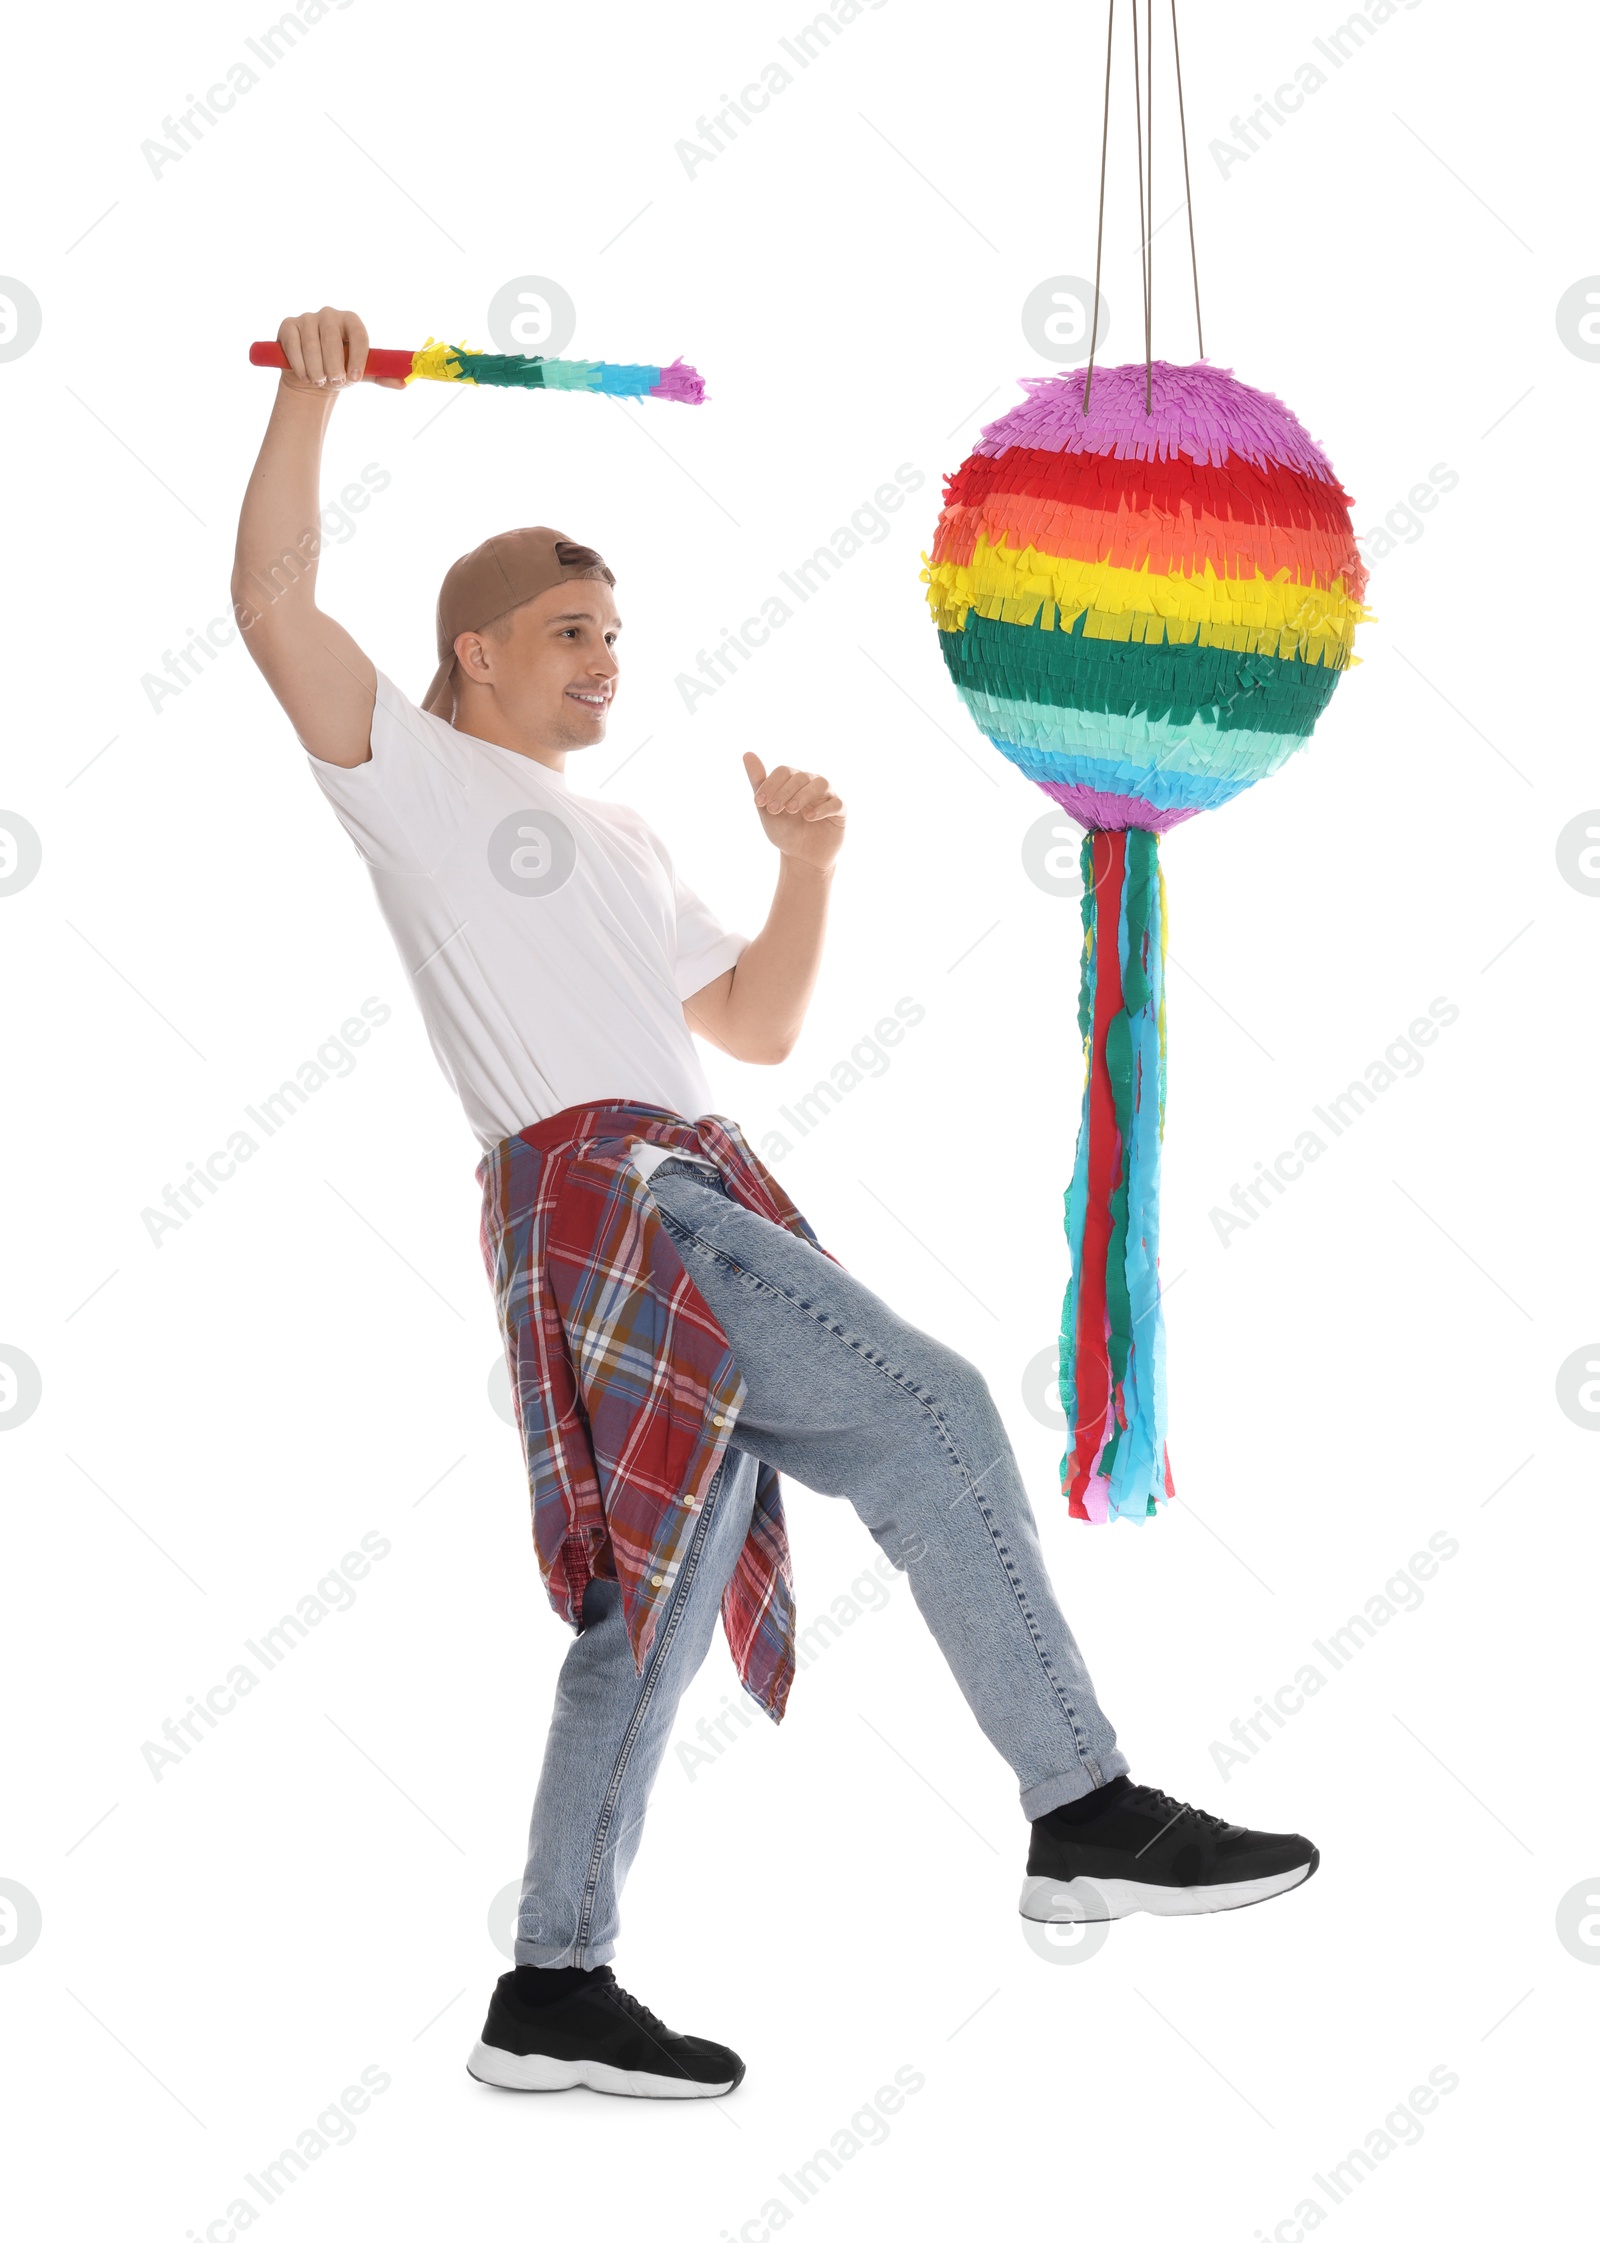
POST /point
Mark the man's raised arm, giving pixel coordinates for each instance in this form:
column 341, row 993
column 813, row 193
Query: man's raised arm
column 324, row 682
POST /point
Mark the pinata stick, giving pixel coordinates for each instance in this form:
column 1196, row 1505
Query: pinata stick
column 453, row 362
column 1113, row 1344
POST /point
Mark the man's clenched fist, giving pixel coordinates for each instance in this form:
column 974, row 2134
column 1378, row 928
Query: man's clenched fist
column 325, row 350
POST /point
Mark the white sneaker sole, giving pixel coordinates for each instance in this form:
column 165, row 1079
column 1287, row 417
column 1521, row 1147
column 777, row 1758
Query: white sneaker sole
column 1086, row 1900
column 498, row 2067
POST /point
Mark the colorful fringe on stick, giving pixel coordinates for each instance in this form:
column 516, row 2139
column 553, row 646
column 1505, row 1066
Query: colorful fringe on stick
column 1113, row 1344
column 678, row 384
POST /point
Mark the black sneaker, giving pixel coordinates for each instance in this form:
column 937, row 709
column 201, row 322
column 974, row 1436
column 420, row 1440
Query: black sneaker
column 1149, row 1851
column 597, row 2036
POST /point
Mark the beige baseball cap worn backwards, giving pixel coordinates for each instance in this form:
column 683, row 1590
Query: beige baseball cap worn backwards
column 499, row 574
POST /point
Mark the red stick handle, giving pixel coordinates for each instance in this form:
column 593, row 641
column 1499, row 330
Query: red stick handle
column 382, row 365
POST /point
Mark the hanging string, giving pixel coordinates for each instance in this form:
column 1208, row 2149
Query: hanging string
column 1149, row 191
column 1138, row 136
column 1100, row 222
column 1177, row 62
column 1145, row 173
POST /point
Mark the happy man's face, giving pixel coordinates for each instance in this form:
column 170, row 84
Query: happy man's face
column 551, row 664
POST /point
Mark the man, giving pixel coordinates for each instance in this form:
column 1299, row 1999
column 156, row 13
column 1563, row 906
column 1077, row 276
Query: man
column 675, row 1332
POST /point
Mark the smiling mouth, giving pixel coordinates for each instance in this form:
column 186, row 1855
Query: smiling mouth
column 589, row 700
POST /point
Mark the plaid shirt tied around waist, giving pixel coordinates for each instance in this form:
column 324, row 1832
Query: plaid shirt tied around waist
column 624, row 1385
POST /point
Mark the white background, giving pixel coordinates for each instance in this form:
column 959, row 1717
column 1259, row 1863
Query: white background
column 309, row 1358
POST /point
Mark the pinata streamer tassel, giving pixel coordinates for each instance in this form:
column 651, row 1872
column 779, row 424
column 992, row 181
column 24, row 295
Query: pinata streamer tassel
column 1113, row 1344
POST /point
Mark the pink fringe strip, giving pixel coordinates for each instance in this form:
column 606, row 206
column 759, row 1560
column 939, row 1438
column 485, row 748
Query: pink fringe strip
column 1199, row 411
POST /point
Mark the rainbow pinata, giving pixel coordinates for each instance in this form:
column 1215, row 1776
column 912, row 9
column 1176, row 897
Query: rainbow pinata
column 1146, row 606
column 1147, row 612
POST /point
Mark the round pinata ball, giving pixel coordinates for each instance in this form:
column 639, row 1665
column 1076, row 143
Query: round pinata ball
column 1145, row 611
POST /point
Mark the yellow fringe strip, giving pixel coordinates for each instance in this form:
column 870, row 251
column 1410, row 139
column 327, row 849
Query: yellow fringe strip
column 437, row 362
column 1248, row 615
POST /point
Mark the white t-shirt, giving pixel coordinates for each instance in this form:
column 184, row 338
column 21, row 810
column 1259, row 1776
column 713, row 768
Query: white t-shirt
column 547, row 938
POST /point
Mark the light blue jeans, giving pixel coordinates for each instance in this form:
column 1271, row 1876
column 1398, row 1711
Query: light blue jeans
column 847, row 1398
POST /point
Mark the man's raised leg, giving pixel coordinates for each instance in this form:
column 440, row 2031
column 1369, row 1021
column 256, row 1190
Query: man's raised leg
column 854, row 1401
